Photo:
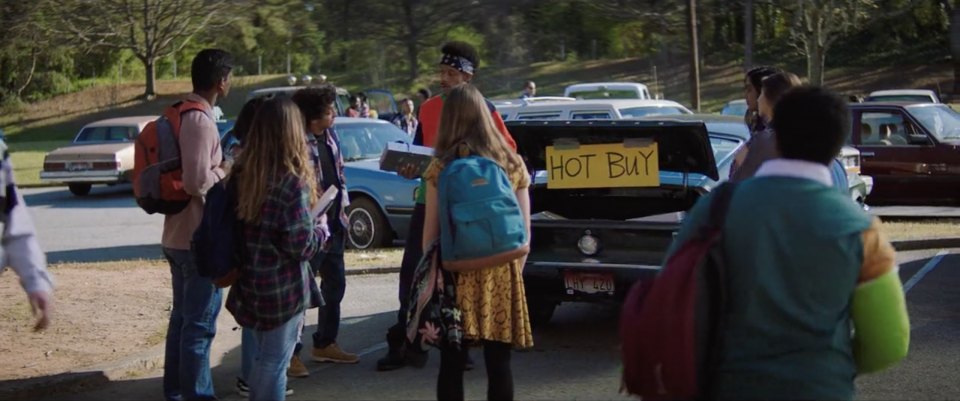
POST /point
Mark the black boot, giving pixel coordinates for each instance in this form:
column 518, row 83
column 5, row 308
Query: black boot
column 396, row 349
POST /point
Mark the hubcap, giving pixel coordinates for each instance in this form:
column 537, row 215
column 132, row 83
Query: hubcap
column 361, row 229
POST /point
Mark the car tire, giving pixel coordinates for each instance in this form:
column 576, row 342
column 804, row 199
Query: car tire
column 367, row 226
column 80, row 189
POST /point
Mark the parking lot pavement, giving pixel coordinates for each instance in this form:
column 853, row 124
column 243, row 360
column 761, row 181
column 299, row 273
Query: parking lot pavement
column 930, row 369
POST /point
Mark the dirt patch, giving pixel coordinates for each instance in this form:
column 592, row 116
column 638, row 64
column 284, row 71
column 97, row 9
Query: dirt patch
column 102, row 312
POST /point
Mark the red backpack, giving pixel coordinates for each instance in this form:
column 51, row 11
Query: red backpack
column 157, row 172
column 670, row 327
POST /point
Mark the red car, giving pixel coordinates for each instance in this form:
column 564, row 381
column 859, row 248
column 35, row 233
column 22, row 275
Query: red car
column 912, row 151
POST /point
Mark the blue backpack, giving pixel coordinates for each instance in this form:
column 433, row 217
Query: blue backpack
column 481, row 224
column 217, row 245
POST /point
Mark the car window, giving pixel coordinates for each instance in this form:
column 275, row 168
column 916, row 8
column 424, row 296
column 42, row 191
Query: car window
column 637, row 112
column 899, row 98
column 884, row 128
column 722, row 147
column 107, row 134
column 941, row 120
column 734, row 109
column 590, row 115
column 366, row 140
column 605, row 94
column 539, row 116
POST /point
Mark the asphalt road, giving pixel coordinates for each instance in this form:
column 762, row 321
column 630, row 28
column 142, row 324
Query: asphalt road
column 575, row 357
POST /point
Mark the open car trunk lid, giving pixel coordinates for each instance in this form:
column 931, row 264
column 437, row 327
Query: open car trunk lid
column 682, row 147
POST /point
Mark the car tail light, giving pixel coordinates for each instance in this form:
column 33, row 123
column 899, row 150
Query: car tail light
column 106, row 165
column 53, row 166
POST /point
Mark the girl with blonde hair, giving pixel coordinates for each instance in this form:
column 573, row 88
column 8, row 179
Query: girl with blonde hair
column 492, row 300
column 276, row 190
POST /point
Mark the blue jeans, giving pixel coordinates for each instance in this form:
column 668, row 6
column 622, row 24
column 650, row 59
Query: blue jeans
column 333, row 284
column 268, row 379
column 193, row 324
column 248, row 353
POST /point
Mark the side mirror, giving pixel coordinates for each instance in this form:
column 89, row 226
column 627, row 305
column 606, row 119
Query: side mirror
column 919, row 139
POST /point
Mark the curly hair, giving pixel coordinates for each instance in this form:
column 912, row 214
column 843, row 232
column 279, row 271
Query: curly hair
column 462, row 49
column 315, row 101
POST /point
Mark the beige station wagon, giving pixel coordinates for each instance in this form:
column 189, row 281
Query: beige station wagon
column 102, row 153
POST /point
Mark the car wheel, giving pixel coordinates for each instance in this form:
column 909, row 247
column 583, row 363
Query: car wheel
column 367, row 227
column 79, row 189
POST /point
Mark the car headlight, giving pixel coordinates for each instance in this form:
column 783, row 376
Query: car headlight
column 588, row 244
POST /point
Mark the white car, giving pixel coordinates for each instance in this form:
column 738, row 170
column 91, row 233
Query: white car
column 608, row 90
column 903, row 95
column 101, row 153
column 612, row 109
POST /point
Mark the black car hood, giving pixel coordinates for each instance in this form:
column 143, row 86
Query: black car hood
column 683, row 146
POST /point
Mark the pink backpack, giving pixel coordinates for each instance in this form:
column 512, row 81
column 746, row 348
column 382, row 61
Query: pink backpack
column 670, row 327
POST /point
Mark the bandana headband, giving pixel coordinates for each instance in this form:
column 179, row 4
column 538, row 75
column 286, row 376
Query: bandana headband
column 459, row 63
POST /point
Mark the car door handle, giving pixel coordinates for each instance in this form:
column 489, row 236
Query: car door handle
column 867, row 154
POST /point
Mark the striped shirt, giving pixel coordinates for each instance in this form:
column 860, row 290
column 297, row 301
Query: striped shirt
column 273, row 285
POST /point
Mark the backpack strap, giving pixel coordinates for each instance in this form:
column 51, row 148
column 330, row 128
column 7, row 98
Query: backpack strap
column 720, row 205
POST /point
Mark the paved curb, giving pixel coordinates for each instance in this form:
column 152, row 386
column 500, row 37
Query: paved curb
column 926, row 243
column 93, row 376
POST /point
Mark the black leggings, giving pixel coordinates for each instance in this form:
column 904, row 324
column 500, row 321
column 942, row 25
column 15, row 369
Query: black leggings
column 496, row 356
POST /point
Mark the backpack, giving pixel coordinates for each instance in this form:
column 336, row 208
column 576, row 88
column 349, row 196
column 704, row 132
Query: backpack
column 217, row 246
column 481, row 224
column 157, row 173
column 670, row 327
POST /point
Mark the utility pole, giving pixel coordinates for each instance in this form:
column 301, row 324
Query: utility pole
column 747, row 34
column 694, row 55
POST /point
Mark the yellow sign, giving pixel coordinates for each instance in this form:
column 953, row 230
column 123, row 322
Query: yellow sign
column 603, row 166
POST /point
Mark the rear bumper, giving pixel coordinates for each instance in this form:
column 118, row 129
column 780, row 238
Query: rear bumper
column 92, row 177
column 545, row 280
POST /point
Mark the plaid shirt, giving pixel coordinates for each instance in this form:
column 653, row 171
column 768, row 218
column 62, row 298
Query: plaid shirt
column 273, row 287
column 333, row 141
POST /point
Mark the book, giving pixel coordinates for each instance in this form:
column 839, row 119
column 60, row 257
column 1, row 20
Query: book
column 397, row 154
column 325, row 202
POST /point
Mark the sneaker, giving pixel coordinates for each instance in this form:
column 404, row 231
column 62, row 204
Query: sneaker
column 296, row 368
column 333, row 353
column 244, row 390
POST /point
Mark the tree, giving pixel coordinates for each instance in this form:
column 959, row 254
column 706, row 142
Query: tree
column 150, row 29
column 953, row 10
column 694, row 55
column 817, row 24
column 747, row 34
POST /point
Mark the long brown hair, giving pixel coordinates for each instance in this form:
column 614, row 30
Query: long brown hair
column 466, row 126
column 275, row 145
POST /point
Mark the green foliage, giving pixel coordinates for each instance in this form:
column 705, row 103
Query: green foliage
column 633, row 39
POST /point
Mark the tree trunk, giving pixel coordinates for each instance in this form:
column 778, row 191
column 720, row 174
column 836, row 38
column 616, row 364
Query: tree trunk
column 747, row 34
column 33, row 68
column 150, row 66
column 816, row 56
column 694, row 55
column 413, row 36
column 955, row 46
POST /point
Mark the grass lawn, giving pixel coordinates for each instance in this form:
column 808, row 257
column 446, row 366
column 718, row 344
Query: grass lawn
column 905, row 229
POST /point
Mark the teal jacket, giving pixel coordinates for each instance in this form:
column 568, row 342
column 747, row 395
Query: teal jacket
column 794, row 252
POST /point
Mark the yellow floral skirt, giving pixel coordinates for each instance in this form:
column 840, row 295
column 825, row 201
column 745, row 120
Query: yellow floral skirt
column 494, row 305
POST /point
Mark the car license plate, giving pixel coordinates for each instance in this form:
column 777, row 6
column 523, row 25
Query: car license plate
column 79, row 166
column 629, row 164
column 588, row 283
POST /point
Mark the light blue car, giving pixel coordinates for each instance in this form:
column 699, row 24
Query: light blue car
column 381, row 202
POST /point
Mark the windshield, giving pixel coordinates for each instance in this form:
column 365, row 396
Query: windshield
column 366, row 140
column 637, row 112
column 605, row 94
column 942, row 121
column 107, row 134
